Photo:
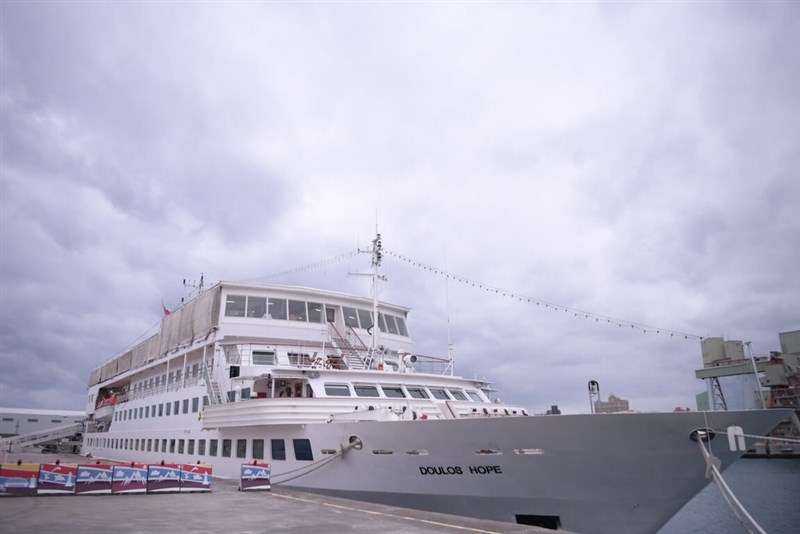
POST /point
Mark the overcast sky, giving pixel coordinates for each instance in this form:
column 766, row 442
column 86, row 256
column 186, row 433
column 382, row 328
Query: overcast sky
column 639, row 161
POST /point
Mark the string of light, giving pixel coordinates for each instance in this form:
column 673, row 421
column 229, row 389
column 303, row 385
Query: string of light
column 644, row 328
column 304, row 268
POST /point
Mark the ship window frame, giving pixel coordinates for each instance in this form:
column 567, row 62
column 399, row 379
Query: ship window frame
column 456, row 393
column 330, row 314
column 279, row 309
column 185, row 405
column 473, row 394
column 190, row 446
column 391, row 325
column 302, row 450
column 298, row 311
column 234, row 307
column 401, row 326
column 201, row 447
column 256, row 307
column 316, row 311
column 395, row 389
column 241, row 448
column 365, row 318
column 421, row 393
column 350, row 317
column 213, row 447
column 361, row 390
column 172, row 446
column 278, row 449
column 439, row 393
column 226, row 448
column 258, row 449
column 337, row 390
column 381, row 323
column 195, row 405
column 181, row 443
column 155, row 445
column 169, row 408
column 264, row 357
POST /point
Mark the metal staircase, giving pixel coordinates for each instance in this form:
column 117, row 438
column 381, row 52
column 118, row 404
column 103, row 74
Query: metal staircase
column 215, row 395
column 42, row 436
column 350, row 351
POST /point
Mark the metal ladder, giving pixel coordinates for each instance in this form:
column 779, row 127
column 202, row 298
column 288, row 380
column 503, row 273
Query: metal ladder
column 350, row 353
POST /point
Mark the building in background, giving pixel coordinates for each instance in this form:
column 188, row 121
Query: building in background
column 15, row 421
column 614, row 404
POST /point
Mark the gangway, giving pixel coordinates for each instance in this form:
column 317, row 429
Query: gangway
column 42, row 436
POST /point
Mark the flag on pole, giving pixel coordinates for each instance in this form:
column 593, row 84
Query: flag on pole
column 166, row 311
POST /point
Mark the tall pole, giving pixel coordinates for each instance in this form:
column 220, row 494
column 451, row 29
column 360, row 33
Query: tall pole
column 377, row 256
column 755, row 373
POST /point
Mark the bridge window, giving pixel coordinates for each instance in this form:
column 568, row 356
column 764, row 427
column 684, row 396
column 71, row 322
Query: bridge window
column 314, row 312
column 474, row 396
column 417, row 393
column 235, row 305
column 457, row 394
column 297, row 310
column 257, row 307
column 330, row 314
column 277, row 308
column 401, row 326
column 391, row 326
column 381, row 323
column 366, row 391
column 395, row 392
column 365, row 316
column 439, row 394
column 337, row 390
column 350, row 317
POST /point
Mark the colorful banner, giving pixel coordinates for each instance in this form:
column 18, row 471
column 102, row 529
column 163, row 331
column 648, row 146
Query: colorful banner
column 163, row 478
column 18, row 479
column 94, row 479
column 255, row 476
column 195, row 477
column 57, row 479
column 129, row 479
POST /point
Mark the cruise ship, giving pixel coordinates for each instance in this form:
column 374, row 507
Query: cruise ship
column 326, row 388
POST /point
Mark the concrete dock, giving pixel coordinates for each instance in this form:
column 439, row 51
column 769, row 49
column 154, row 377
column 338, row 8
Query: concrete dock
column 225, row 509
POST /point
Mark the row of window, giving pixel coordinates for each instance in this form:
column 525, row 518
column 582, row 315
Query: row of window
column 11, row 419
column 160, row 410
column 400, row 392
column 192, row 371
column 311, row 312
column 302, row 447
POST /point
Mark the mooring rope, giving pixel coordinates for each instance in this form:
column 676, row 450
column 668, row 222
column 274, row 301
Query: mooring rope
column 310, row 468
column 727, row 493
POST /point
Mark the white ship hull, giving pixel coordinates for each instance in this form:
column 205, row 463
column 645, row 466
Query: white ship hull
column 616, row 473
column 281, row 374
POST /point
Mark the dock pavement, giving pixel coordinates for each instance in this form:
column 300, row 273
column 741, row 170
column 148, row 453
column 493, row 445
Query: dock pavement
column 224, row 510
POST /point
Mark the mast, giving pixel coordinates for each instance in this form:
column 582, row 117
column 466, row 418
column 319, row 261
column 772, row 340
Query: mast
column 377, row 256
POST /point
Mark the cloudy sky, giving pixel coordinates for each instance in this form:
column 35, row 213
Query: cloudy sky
column 638, row 161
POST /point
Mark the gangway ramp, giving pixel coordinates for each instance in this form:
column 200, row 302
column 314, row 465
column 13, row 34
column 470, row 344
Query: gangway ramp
column 41, row 436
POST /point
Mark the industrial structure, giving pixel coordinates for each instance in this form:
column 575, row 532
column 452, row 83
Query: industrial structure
column 735, row 381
